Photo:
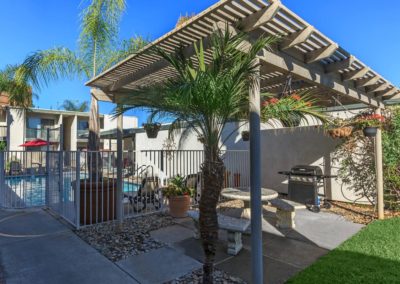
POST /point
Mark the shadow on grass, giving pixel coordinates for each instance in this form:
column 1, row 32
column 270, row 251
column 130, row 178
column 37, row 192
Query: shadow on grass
column 341, row 266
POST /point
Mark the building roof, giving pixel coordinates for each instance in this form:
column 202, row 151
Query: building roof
column 314, row 60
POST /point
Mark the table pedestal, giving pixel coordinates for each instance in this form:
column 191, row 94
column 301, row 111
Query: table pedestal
column 246, row 213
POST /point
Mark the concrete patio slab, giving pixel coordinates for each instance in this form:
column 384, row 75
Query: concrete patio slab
column 275, row 271
column 22, row 225
column 172, row 234
column 289, row 251
column 58, row 257
column 158, row 266
column 193, row 248
column 326, row 230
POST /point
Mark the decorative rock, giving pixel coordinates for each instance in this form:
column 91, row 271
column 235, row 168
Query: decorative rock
column 132, row 239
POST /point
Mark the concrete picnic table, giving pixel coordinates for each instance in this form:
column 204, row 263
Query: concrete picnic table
column 243, row 193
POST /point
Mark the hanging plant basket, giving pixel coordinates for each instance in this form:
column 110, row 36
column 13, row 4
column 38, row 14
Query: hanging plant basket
column 340, row 132
column 152, row 129
column 370, row 131
column 246, row 135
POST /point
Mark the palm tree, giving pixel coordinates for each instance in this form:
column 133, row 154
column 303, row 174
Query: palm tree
column 98, row 50
column 204, row 98
column 16, row 93
column 75, row 106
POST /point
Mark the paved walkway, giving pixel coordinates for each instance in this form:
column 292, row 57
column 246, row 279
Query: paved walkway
column 37, row 248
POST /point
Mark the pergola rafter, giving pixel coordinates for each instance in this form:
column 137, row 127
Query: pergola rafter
column 303, row 51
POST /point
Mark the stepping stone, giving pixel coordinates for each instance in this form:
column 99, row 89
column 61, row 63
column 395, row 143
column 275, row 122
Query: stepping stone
column 172, row 234
column 159, row 266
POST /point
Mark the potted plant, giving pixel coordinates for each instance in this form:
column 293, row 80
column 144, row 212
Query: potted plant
column 339, row 128
column 152, row 129
column 178, row 194
column 370, row 123
column 246, row 135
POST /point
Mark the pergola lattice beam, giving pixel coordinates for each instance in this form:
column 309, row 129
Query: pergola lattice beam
column 296, row 38
column 340, row 65
column 261, row 17
column 367, row 81
column 321, row 53
column 356, row 74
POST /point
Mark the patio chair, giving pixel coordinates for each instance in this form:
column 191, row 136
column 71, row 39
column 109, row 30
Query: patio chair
column 194, row 181
column 15, row 168
column 148, row 192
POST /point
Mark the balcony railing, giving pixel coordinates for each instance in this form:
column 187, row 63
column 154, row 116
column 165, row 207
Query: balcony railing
column 41, row 133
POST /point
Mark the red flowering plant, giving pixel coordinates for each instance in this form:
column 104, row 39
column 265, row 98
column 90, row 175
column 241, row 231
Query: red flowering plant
column 291, row 109
column 177, row 187
column 369, row 119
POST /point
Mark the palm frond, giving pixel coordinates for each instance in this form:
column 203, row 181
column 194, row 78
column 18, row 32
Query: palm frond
column 43, row 66
column 99, row 30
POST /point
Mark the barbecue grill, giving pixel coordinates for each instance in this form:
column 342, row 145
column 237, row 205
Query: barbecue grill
column 304, row 182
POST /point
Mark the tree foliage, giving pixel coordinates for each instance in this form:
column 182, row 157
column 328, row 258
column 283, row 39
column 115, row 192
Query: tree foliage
column 75, row 106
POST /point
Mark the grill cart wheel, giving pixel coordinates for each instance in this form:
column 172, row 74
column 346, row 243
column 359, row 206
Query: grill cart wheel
column 313, row 208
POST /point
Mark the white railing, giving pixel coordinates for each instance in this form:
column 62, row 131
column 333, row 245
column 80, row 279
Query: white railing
column 84, row 195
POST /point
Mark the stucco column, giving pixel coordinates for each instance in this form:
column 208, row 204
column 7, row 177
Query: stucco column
column 255, row 180
column 379, row 170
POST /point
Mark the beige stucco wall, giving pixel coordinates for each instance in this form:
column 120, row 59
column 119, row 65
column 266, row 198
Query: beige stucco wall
column 282, row 148
column 16, row 123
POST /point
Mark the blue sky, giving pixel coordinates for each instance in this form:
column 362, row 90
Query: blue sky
column 366, row 28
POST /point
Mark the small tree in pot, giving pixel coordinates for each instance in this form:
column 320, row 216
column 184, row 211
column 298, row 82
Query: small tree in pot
column 178, row 194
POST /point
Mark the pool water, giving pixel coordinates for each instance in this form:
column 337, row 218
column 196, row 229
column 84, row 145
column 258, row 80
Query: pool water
column 31, row 191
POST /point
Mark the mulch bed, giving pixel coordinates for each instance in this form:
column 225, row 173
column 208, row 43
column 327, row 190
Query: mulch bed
column 196, row 277
column 132, row 238
column 358, row 213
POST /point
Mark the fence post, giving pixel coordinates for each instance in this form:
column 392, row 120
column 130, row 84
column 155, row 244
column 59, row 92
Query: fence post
column 61, row 181
column 119, row 195
column 2, row 179
column 77, row 197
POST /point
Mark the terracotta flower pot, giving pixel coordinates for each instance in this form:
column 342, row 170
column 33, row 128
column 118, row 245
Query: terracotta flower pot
column 179, row 205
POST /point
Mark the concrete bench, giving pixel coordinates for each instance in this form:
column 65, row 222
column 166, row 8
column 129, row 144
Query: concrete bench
column 234, row 226
column 285, row 212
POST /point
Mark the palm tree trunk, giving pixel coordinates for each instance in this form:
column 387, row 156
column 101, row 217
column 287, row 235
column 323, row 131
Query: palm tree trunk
column 213, row 171
column 94, row 158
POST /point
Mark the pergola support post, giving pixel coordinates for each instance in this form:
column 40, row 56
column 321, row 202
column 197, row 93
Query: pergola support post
column 119, row 194
column 379, row 171
column 255, row 179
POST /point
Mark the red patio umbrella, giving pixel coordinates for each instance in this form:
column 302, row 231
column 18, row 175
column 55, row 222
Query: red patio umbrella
column 36, row 143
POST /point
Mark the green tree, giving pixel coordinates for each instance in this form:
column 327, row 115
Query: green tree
column 204, row 98
column 98, row 49
column 75, row 106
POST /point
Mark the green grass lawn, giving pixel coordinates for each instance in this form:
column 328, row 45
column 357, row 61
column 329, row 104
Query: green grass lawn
column 371, row 256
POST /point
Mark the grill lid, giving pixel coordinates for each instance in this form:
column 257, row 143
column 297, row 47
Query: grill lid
column 306, row 170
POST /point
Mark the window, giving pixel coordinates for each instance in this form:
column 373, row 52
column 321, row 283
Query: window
column 83, row 125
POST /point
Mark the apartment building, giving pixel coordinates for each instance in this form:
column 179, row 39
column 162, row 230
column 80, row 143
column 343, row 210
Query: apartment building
column 66, row 130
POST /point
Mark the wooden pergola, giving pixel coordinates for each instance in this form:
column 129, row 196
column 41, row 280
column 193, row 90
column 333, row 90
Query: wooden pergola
column 313, row 60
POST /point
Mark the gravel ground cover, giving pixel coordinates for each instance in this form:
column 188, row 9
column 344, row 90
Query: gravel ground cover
column 196, row 277
column 132, row 238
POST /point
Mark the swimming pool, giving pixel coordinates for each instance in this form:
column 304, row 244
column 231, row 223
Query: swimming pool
column 30, row 191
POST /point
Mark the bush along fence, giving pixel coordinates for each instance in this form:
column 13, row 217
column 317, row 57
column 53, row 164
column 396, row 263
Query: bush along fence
column 83, row 187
